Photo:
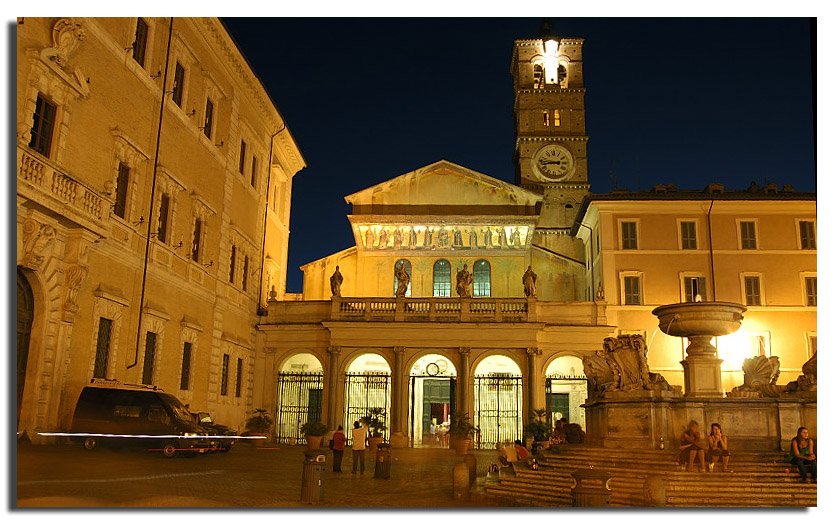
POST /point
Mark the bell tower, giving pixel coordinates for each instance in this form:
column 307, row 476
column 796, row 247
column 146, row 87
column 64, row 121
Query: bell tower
column 550, row 120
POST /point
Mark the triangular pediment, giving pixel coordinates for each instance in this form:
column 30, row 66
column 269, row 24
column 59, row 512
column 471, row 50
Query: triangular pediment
column 443, row 183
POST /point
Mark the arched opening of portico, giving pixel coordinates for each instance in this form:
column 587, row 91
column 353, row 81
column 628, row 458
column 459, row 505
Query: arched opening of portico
column 299, row 396
column 431, row 399
column 497, row 401
column 25, row 316
column 565, row 390
column 367, row 386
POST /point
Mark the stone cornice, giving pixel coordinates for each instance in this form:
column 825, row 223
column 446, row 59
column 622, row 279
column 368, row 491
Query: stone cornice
column 551, row 90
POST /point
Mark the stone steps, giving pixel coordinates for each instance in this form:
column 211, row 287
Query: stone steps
column 758, row 479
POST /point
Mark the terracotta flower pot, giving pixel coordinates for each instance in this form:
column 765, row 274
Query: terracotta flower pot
column 460, row 446
column 314, row 442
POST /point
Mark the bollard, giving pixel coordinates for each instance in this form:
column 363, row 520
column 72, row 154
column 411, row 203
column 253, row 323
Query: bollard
column 591, row 488
column 460, row 481
column 382, row 464
column 313, row 471
column 470, row 460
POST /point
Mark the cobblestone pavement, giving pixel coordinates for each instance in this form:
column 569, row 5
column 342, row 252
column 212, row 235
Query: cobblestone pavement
column 69, row 476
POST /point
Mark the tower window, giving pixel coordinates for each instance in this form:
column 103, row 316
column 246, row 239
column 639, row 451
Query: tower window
column 537, row 76
column 481, row 278
column 545, row 118
column 441, row 278
column 562, row 76
column 556, row 117
column 42, row 124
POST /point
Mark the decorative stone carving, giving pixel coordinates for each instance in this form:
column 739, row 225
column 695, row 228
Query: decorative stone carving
column 600, row 295
column 67, row 33
column 37, row 238
column 808, row 381
column 529, row 282
column 760, row 379
column 463, row 279
column 402, row 280
column 336, row 283
column 622, row 366
column 74, row 275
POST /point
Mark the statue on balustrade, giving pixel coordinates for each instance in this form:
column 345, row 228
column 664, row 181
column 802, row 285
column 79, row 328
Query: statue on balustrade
column 529, row 282
column 402, row 280
column 464, row 279
column 622, row 366
column 336, row 283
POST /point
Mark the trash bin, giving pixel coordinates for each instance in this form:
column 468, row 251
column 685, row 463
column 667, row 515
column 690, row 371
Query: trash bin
column 313, row 471
column 591, row 488
column 382, row 464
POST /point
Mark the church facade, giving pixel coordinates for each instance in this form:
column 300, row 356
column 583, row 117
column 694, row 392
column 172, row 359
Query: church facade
column 434, row 308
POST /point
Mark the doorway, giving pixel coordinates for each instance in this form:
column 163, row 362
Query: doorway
column 497, row 401
column 432, row 389
column 25, row 315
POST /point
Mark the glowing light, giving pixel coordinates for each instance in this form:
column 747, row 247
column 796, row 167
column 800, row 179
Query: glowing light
column 734, row 348
column 145, row 436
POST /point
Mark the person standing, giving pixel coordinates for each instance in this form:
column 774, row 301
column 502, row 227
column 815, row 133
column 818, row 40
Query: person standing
column 339, row 440
column 359, row 435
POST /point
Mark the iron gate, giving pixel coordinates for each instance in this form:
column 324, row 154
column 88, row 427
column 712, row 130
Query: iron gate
column 561, row 402
column 364, row 391
column 299, row 400
column 446, row 394
column 498, row 409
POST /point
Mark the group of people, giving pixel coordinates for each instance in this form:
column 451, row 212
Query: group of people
column 715, row 449
column 359, row 440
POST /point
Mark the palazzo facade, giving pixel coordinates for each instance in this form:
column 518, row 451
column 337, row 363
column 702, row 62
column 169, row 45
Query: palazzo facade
column 153, row 200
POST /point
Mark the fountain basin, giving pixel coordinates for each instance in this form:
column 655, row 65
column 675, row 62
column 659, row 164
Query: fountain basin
column 711, row 319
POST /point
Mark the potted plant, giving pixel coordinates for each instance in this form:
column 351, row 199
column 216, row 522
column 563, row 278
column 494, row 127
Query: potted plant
column 460, row 431
column 259, row 425
column 314, row 432
column 376, row 426
column 538, row 427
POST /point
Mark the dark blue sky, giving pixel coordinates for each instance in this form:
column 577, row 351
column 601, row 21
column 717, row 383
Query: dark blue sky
column 685, row 100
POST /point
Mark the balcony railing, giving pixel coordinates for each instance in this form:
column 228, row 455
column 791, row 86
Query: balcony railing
column 484, row 309
column 46, row 179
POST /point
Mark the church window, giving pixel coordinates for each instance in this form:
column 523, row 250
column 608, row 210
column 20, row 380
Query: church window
column 408, row 271
column 481, row 278
column 441, row 278
column 42, row 125
column 179, row 78
column 556, row 117
column 545, row 118
column 120, row 206
column 140, row 41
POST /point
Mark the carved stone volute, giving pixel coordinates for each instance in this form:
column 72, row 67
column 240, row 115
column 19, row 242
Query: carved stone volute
column 37, row 239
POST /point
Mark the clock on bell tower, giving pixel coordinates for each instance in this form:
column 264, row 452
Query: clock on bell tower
column 550, row 121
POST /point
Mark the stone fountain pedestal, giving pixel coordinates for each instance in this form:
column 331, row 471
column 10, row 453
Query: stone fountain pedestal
column 700, row 322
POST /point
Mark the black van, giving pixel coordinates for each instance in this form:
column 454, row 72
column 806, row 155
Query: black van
column 109, row 412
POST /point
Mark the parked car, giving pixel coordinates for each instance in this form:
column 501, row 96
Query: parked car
column 216, row 431
column 112, row 413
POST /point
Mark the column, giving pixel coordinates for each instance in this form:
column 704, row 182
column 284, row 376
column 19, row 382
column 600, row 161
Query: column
column 334, row 392
column 464, row 388
column 398, row 439
column 532, row 383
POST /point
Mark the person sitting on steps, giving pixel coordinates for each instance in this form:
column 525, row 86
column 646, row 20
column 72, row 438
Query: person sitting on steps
column 803, row 456
column 521, row 451
column 692, row 446
column 717, row 444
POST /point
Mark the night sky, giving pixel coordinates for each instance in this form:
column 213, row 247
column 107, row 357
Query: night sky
column 683, row 101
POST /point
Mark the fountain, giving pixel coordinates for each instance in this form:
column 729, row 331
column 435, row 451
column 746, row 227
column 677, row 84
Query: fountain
column 700, row 322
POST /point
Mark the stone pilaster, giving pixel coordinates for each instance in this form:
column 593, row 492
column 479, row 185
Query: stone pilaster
column 399, row 412
column 532, row 383
column 464, row 387
column 334, row 392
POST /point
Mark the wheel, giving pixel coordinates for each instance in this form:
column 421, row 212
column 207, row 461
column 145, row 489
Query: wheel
column 91, row 443
column 169, row 449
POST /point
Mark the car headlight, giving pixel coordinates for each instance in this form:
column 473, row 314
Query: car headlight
column 190, row 434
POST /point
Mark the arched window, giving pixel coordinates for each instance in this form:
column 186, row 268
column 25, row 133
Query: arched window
column 562, row 76
column 545, row 118
column 481, row 278
column 556, row 117
column 441, row 278
column 408, row 271
column 537, row 76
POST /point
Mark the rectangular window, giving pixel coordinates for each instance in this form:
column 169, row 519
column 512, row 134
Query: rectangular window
column 140, row 41
column 688, row 235
column 245, row 272
column 813, row 344
column 150, row 353
column 43, row 121
column 120, row 206
column 224, row 375
column 239, row 377
column 179, row 78
column 185, row 371
column 629, row 235
column 807, row 235
column 232, row 264
column 162, row 231
column 752, row 291
column 748, row 235
column 195, row 245
column 207, row 122
column 694, row 289
column 811, row 291
column 252, row 177
column 556, row 117
column 242, row 159
column 103, row 348
column 631, row 290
